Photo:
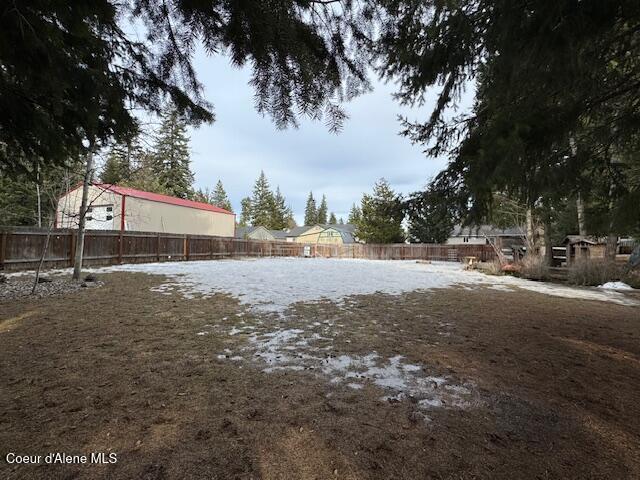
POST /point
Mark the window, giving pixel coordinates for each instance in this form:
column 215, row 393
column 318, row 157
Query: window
column 89, row 219
column 109, row 209
column 109, row 217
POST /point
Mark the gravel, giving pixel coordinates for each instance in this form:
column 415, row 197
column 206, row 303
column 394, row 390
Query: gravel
column 17, row 287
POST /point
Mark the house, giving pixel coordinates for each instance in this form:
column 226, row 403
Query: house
column 112, row 207
column 260, row 233
column 486, row 235
column 324, row 234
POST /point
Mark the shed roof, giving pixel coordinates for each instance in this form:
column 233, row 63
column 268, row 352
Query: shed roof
column 573, row 239
column 158, row 197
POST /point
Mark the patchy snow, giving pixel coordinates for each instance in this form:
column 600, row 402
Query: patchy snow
column 273, row 284
column 615, row 286
column 294, row 349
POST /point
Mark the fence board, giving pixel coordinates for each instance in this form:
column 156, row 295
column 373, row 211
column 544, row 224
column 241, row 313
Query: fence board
column 20, row 248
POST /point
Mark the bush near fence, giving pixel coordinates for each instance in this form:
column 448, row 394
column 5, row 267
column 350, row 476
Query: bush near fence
column 21, row 248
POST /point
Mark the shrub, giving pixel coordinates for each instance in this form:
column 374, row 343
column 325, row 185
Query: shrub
column 535, row 268
column 593, row 272
column 632, row 278
column 491, row 268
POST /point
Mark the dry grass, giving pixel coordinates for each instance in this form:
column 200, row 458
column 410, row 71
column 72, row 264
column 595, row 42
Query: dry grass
column 593, row 272
column 535, row 268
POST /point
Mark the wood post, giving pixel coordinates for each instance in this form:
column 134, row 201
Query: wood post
column 186, row 247
column 158, row 248
column 72, row 249
column 120, row 246
column 3, row 249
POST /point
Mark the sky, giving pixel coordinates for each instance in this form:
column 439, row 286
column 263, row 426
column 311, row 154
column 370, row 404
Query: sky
column 342, row 166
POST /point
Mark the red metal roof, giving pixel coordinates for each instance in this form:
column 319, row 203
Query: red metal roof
column 158, row 197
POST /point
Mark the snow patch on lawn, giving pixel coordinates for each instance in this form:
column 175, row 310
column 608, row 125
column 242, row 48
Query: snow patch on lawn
column 615, row 286
column 294, row 349
column 273, row 284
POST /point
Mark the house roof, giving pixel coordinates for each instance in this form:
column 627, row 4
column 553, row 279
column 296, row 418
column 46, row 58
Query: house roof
column 158, row 197
column 242, row 232
column 297, row 231
column 486, row 230
column 278, row 234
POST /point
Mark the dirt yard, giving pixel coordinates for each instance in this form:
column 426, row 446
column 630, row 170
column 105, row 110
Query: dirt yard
column 450, row 383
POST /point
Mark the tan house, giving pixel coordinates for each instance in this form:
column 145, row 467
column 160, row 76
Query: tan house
column 323, row 234
column 259, row 233
column 112, row 207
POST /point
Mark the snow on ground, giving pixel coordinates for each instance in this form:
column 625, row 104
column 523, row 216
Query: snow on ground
column 294, row 349
column 615, row 286
column 272, row 284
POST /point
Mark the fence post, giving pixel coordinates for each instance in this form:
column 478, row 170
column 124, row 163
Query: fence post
column 120, row 247
column 158, row 247
column 3, row 249
column 72, row 249
column 186, row 247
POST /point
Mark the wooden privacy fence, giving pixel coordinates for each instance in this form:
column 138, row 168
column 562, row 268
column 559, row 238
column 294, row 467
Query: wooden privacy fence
column 21, row 248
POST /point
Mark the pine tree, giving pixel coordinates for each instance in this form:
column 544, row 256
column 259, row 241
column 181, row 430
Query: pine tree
column 382, row 216
column 322, row 211
column 143, row 176
column 245, row 212
column 220, row 199
column 122, row 159
column 354, row 215
column 431, row 216
column 340, row 221
column 281, row 214
column 203, row 196
column 171, row 153
column 332, row 219
column 262, row 203
column 310, row 211
column 115, row 170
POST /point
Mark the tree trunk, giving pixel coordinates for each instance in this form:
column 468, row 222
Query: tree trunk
column 582, row 228
column 42, row 256
column 612, row 238
column 38, row 196
column 531, row 233
column 77, row 264
column 546, row 240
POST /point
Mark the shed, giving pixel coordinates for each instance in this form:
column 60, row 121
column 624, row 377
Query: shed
column 112, row 207
column 582, row 247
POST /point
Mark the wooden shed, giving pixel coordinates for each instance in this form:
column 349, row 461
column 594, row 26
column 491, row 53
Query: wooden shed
column 112, row 207
column 581, row 247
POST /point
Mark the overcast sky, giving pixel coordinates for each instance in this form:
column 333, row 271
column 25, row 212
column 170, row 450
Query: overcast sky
column 342, row 166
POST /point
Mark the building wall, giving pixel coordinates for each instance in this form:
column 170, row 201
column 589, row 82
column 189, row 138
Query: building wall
column 147, row 216
column 67, row 212
column 471, row 241
column 321, row 235
column 261, row 234
column 330, row 236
